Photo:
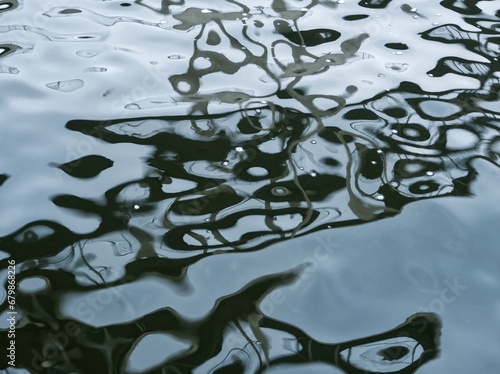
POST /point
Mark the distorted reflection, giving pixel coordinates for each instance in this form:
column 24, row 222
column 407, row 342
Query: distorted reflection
column 188, row 133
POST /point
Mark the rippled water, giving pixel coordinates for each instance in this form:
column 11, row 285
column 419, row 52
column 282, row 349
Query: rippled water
column 260, row 187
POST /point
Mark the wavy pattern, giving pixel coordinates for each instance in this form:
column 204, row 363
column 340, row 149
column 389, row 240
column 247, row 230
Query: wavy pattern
column 218, row 131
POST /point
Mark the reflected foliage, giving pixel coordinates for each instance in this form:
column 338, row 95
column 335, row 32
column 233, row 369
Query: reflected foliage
column 401, row 350
column 383, row 154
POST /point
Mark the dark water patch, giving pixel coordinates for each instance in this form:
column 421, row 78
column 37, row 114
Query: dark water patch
column 371, row 163
column 86, row 167
column 3, row 178
column 397, row 46
column 361, row 114
column 356, row 17
column 395, row 112
column 69, row 11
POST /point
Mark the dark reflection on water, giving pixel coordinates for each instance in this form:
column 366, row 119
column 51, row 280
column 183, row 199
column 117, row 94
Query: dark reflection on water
column 273, row 123
column 385, row 154
column 8, row 5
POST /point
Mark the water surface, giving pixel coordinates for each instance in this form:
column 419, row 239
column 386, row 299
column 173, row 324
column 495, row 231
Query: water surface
column 236, row 187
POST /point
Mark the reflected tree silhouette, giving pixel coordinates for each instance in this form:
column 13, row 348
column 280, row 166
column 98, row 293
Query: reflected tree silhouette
column 58, row 345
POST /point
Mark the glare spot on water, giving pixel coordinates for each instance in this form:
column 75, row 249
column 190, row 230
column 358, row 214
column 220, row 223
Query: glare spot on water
column 279, row 191
column 429, row 173
column 136, row 207
column 206, row 11
column 412, row 133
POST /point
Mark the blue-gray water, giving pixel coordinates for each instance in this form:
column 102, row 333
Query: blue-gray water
column 250, row 187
